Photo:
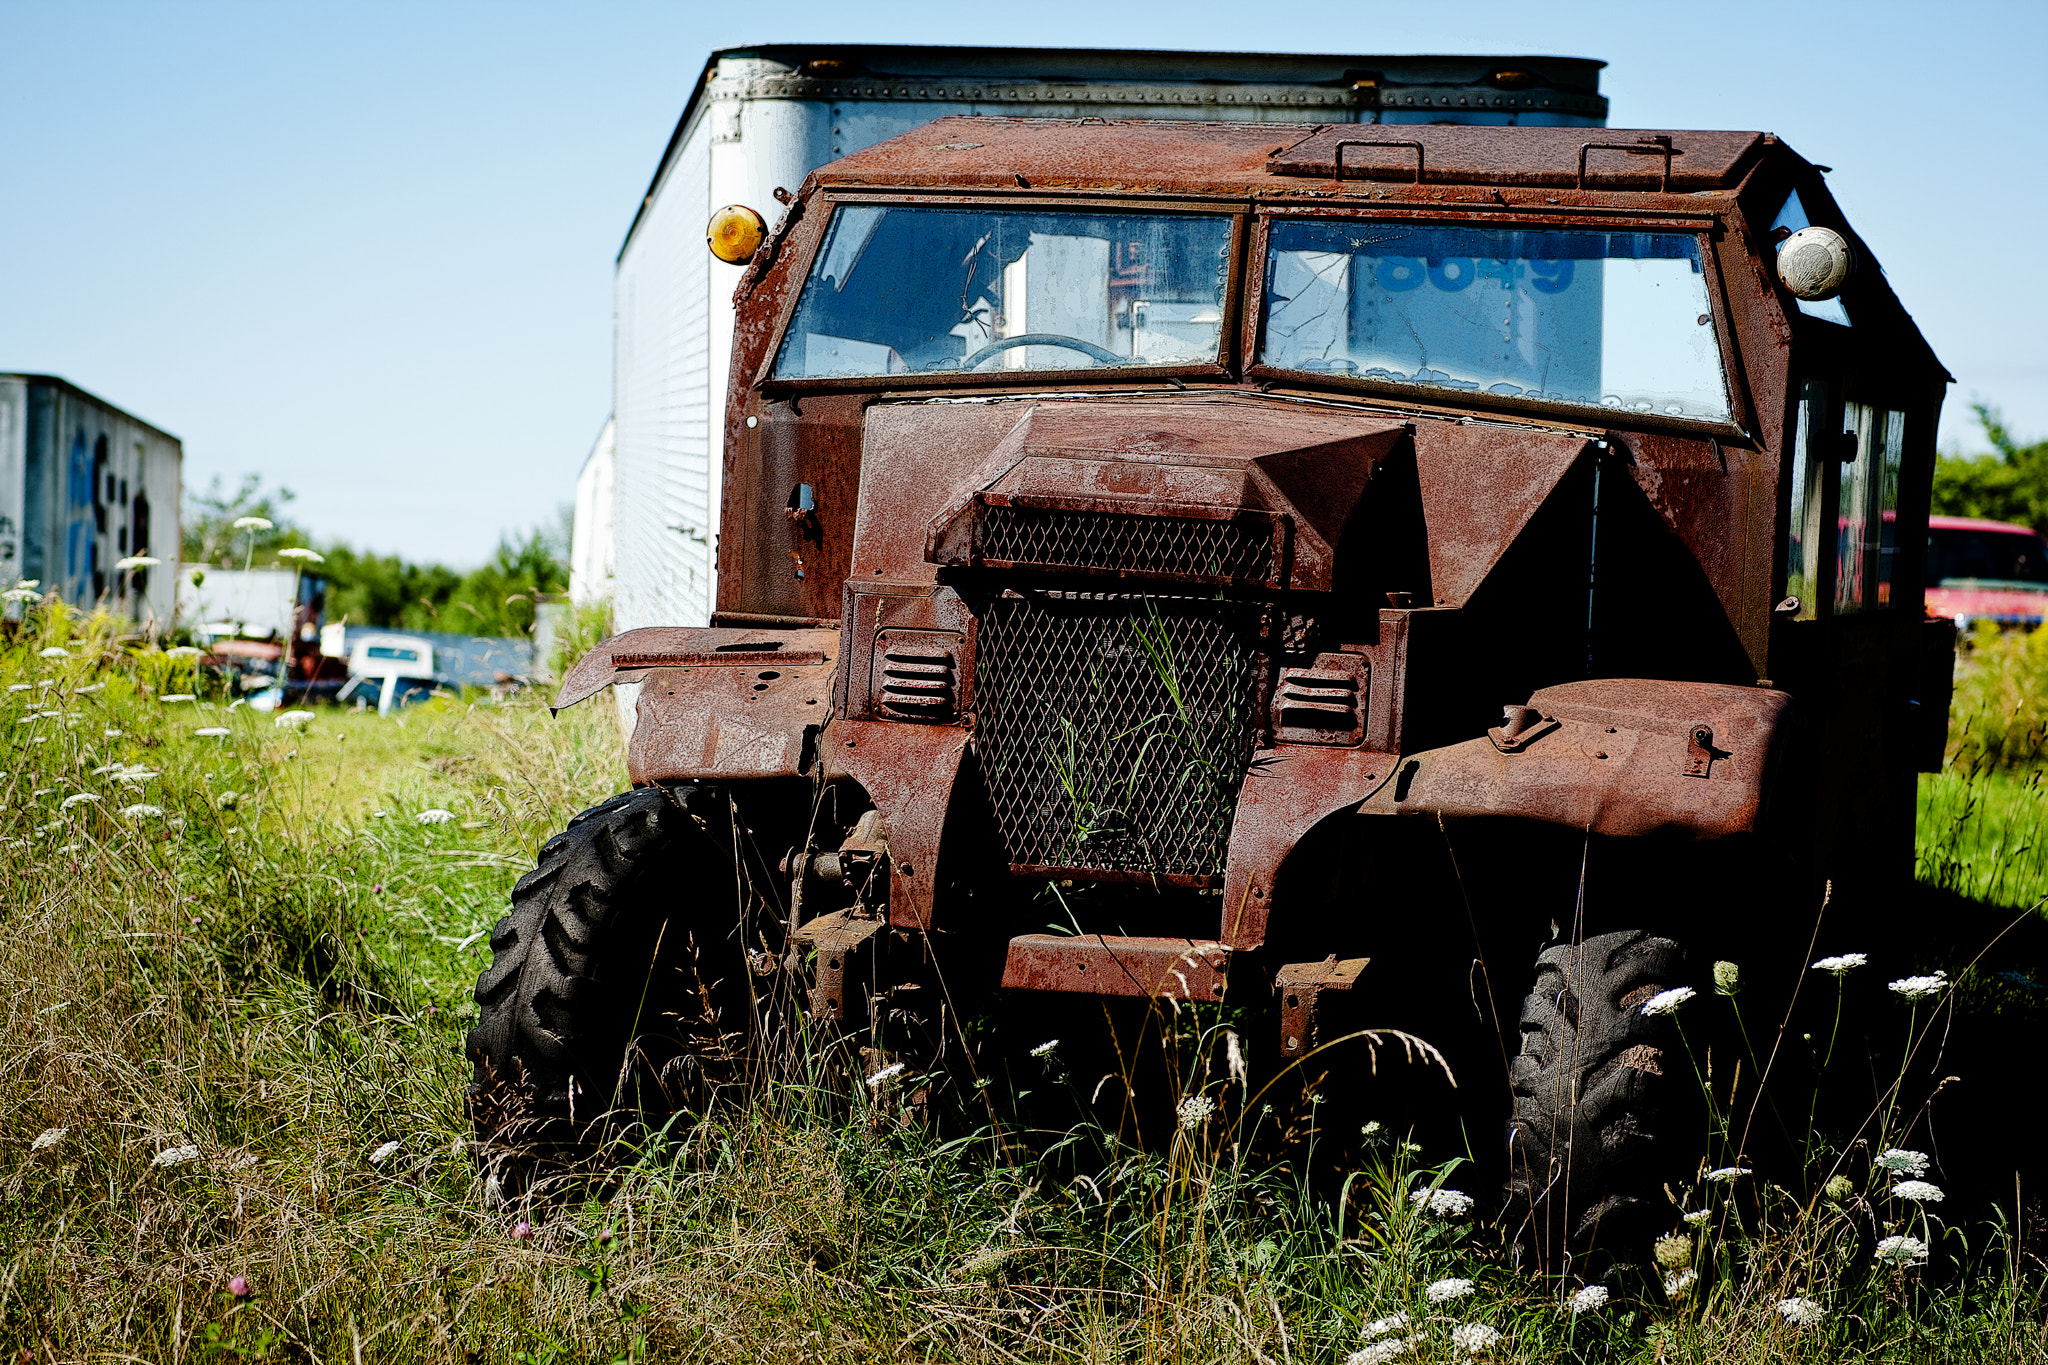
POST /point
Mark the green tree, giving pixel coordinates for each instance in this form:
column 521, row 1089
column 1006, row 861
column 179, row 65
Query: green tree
column 211, row 537
column 2011, row 485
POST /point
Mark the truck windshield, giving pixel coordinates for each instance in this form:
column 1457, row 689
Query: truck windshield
column 1617, row 320
column 911, row 290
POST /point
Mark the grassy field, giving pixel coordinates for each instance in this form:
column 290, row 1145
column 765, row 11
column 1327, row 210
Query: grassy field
column 235, row 957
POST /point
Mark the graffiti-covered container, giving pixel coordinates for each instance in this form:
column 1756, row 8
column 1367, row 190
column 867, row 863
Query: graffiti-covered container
column 85, row 488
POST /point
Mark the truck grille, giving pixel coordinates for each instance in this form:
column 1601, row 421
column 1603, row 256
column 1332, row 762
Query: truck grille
column 1186, row 547
column 1113, row 730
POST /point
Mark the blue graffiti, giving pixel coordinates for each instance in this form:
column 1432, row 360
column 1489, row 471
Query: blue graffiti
column 81, row 543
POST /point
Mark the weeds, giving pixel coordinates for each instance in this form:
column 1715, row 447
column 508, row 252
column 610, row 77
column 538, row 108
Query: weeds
column 234, row 976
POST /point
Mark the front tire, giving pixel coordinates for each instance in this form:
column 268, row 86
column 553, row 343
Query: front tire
column 1596, row 1092
column 617, row 985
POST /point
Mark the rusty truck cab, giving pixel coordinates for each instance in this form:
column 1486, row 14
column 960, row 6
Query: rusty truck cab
column 1123, row 503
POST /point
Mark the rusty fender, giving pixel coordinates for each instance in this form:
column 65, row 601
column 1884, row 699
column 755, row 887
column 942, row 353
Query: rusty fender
column 716, row 703
column 1617, row 756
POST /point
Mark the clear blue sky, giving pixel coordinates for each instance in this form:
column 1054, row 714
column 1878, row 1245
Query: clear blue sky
column 367, row 248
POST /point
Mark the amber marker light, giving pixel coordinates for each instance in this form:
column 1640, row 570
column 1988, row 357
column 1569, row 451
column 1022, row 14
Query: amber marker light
column 735, row 234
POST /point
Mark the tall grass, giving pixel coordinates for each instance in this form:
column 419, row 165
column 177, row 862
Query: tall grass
column 234, row 975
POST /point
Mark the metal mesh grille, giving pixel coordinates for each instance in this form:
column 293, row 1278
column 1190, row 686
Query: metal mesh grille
column 1113, row 730
column 1185, row 546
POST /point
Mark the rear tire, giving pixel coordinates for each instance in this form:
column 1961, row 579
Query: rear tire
column 617, row 990
column 1597, row 1087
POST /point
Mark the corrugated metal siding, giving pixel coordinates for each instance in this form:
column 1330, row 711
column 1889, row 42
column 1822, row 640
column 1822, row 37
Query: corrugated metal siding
column 664, row 509
column 13, row 438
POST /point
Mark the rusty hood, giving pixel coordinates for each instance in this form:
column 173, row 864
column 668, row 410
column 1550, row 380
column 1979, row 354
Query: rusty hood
column 992, row 484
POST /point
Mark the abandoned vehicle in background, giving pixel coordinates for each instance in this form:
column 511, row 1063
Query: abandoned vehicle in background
column 1310, row 564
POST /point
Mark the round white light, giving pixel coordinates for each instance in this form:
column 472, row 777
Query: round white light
column 1815, row 262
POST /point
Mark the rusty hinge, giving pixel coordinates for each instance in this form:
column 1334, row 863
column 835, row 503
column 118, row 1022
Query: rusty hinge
column 1301, row 985
column 1520, row 727
column 836, row 937
column 1700, row 752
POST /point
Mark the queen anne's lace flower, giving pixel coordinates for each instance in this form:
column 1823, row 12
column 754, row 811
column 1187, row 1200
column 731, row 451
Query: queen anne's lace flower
column 78, row 799
column 885, row 1075
column 178, row 696
column 49, row 1137
column 1474, row 1337
column 1046, row 1048
column 1802, row 1312
column 1842, row 964
column 1901, row 1161
column 1195, row 1111
column 1920, row 987
column 1696, row 1217
column 1664, row 1002
column 1728, row 1175
column 1380, row 1352
column 1443, row 1291
column 212, row 732
column 1442, row 1203
column 1919, row 1191
column 175, row 1156
column 384, row 1153
column 1379, row 1327
column 303, row 555
column 1589, row 1299
column 292, row 720
column 1673, row 1251
column 141, row 812
column 435, row 816
column 56, row 652
column 1679, row 1285
column 1902, row 1251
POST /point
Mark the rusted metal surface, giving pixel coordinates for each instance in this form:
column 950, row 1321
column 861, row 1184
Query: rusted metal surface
column 721, row 721
column 626, row 656
column 1300, row 986
column 1561, row 158
column 909, row 772
column 1621, row 760
column 1286, row 792
column 1472, row 520
column 836, row 939
column 1099, row 964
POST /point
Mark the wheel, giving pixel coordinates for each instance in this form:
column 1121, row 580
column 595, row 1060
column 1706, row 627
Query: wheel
column 1596, row 1091
column 617, row 989
column 1101, row 355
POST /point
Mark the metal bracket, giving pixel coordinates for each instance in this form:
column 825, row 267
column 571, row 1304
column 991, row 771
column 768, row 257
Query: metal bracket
column 1301, row 985
column 835, row 937
column 1520, row 727
column 1645, row 146
column 1700, row 752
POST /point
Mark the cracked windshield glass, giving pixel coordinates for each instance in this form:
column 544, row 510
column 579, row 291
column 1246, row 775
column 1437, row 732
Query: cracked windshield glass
column 1595, row 319
column 916, row 290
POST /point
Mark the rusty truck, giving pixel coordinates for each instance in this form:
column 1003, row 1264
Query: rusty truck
column 1313, row 568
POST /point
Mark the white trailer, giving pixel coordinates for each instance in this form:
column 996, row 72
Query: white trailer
column 762, row 118
column 85, row 487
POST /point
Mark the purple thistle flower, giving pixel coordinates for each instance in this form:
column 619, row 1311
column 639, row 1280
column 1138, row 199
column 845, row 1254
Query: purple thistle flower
column 522, row 1231
column 239, row 1287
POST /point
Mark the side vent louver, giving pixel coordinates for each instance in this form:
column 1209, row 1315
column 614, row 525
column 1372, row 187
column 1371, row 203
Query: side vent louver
column 917, row 675
column 1323, row 703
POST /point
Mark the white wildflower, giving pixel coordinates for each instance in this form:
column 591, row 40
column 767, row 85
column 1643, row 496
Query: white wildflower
column 1046, row 1048
column 183, row 652
column 20, row 595
column 1679, row 1285
column 435, row 817
column 1380, row 1352
column 77, row 799
column 134, row 562
column 1840, row 965
column 106, row 768
column 177, row 696
column 1697, row 1217
column 1194, row 1112
column 252, row 524
column 1442, row 1203
column 141, row 812
column 1371, row 1129
column 1902, row 1162
column 1919, row 1191
column 89, row 690
column 1902, row 1251
column 1474, row 1338
column 49, row 1137
column 292, row 720
column 21, row 687
column 56, row 652
column 1664, row 1002
column 112, row 733
column 885, row 1075
column 1443, row 1291
column 175, row 1156
column 212, row 731
column 1589, row 1299
column 384, row 1153
column 1728, row 1175
column 308, row 556
column 1920, row 987
column 135, row 775
column 1802, row 1312
column 1379, row 1327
